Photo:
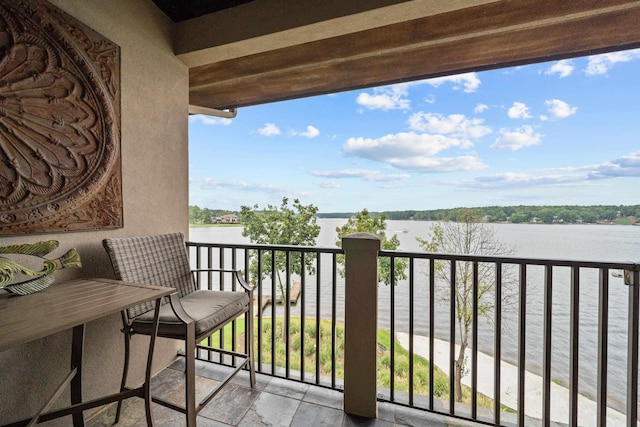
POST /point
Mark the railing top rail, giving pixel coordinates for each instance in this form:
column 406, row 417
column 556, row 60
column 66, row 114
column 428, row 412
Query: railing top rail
column 514, row 260
column 291, row 248
column 614, row 265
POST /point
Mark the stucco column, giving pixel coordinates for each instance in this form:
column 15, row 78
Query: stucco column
column 361, row 323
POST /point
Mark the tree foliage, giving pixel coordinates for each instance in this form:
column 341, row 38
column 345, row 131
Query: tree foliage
column 284, row 225
column 469, row 236
column 198, row 215
column 364, row 222
column 567, row 214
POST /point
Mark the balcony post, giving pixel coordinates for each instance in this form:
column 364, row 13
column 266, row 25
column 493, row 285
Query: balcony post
column 361, row 324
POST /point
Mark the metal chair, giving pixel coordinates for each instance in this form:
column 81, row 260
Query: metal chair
column 191, row 314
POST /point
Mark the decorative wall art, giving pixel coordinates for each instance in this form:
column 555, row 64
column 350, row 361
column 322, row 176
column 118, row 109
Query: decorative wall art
column 59, row 122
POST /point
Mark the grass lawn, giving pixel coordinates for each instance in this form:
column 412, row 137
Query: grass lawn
column 299, row 345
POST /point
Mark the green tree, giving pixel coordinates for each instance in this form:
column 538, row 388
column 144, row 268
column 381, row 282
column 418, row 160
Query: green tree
column 195, row 215
column 286, row 225
column 469, row 236
column 363, row 222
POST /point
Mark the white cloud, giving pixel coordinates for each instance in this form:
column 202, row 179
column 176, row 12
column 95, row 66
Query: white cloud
column 620, row 167
column 562, row 68
column 344, row 173
column 328, row 184
column 480, row 108
column 560, row 109
column 430, row 99
column 456, row 125
column 519, row 110
column 625, row 166
column 311, row 132
column 469, row 81
column 213, row 184
column 386, row 98
column 438, row 164
column 413, row 151
column 366, row 174
column 400, row 145
column 517, row 139
column 209, row 120
column 600, row 64
column 389, row 178
column 269, row 129
column 519, row 180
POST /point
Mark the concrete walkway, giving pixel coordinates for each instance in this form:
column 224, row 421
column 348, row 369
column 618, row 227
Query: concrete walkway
column 587, row 409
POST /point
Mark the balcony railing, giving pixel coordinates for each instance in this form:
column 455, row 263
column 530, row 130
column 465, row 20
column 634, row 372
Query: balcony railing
column 316, row 305
column 548, row 340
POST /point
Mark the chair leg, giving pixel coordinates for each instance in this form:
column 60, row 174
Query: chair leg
column 125, row 371
column 249, row 346
column 190, row 375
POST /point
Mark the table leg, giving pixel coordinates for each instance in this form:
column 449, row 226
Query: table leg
column 77, row 347
column 147, row 374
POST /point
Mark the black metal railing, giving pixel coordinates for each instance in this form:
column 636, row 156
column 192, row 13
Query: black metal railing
column 564, row 338
column 565, row 330
column 297, row 340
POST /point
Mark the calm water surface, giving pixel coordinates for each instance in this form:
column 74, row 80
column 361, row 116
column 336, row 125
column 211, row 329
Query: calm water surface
column 574, row 242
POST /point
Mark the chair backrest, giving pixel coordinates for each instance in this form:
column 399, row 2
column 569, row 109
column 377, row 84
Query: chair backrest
column 154, row 260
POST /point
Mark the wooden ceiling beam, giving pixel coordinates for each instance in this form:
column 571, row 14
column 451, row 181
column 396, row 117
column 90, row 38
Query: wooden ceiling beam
column 500, row 34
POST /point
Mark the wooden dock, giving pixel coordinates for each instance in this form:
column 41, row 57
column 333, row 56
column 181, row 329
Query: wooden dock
column 259, row 306
column 294, row 294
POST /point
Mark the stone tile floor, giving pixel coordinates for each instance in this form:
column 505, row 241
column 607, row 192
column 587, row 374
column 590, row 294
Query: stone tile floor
column 273, row 402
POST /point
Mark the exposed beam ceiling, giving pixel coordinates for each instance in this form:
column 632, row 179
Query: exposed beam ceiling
column 180, row 11
column 485, row 36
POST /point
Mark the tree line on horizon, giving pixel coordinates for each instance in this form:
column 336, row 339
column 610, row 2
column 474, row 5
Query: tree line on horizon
column 565, row 214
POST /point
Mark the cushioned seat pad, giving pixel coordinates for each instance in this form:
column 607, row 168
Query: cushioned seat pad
column 209, row 309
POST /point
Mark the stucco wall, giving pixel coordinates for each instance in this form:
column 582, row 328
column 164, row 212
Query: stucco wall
column 155, row 190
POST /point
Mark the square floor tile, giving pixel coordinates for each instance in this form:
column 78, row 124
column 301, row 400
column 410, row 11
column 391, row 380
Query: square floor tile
column 309, row 415
column 324, row 396
column 271, row 410
column 231, row 404
column 287, row 388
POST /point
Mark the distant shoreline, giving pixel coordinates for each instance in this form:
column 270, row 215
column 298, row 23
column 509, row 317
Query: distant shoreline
column 215, row 225
column 635, row 221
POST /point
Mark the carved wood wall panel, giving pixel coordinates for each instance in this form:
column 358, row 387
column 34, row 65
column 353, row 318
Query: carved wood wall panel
column 59, row 122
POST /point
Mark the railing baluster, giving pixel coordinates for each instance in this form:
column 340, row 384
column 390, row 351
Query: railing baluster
column 287, row 314
column 274, row 323
column 474, row 350
column 522, row 329
column 574, row 349
column 234, row 332
column 603, row 344
column 221, row 287
column 452, row 338
column 334, row 298
column 302, row 314
column 546, row 355
column 259, row 304
column 497, row 345
column 318, row 283
column 432, row 305
column 411, row 348
column 632, row 279
column 392, row 331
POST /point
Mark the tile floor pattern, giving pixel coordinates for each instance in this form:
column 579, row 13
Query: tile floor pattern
column 273, row 402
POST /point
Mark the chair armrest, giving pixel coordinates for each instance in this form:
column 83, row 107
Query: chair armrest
column 176, row 306
column 236, row 274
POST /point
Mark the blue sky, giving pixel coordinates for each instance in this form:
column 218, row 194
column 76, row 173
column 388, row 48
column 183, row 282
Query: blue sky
column 556, row 133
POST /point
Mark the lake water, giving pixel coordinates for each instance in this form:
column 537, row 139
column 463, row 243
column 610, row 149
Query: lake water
column 575, row 242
